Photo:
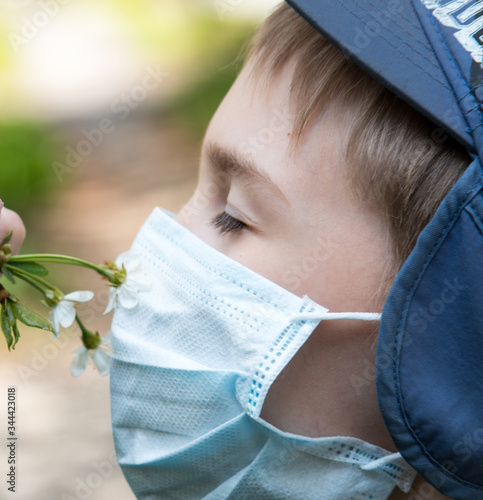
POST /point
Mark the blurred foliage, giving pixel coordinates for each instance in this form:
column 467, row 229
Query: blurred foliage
column 184, row 31
column 186, row 34
column 190, row 34
column 194, row 105
column 27, row 295
column 26, row 175
column 6, row 54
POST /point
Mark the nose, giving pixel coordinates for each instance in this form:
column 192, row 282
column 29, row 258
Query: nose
column 11, row 221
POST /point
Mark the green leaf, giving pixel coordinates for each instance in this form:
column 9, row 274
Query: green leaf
column 16, row 333
column 10, row 315
column 7, row 238
column 8, row 274
column 13, row 322
column 31, row 267
column 29, row 318
column 6, row 327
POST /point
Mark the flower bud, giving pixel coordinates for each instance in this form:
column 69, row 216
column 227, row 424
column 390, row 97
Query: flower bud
column 4, row 295
column 91, row 340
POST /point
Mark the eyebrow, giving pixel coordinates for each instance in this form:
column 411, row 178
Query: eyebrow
column 230, row 162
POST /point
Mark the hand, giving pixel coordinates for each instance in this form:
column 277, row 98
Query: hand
column 11, row 221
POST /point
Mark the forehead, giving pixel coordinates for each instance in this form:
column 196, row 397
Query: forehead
column 257, row 123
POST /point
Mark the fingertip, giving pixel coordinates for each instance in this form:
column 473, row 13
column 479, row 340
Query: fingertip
column 11, row 221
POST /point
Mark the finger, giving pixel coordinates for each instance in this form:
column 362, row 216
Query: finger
column 11, row 221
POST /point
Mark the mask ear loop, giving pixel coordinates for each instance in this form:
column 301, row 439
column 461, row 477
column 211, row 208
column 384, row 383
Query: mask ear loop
column 364, row 316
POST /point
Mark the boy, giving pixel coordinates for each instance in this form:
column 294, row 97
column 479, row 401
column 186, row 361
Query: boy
column 315, row 181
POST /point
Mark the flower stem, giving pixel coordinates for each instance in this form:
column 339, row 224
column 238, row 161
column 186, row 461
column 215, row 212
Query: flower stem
column 31, row 278
column 32, row 282
column 81, row 325
column 89, row 339
column 58, row 259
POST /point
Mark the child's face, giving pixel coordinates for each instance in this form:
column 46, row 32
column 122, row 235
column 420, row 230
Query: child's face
column 305, row 230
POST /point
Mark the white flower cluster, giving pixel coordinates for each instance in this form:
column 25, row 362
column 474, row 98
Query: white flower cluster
column 124, row 295
column 99, row 357
column 136, row 281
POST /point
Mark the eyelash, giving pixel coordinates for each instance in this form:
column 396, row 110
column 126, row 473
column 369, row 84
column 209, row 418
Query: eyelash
column 227, row 224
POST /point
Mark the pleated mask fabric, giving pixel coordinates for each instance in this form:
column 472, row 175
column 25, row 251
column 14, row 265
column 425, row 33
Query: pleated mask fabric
column 191, row 366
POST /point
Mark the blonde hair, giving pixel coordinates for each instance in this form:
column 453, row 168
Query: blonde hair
column 397, row 159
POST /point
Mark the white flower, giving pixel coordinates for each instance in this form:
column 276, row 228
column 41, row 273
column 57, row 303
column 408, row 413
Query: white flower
column 99, row 356
column 136, row 281
column 64, row 312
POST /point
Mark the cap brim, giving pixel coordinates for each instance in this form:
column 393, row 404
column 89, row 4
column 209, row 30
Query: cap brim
column 385, row 38
column 430, row 347
column 429, row 367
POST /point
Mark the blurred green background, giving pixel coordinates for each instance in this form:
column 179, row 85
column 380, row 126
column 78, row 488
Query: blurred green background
column 203, row 42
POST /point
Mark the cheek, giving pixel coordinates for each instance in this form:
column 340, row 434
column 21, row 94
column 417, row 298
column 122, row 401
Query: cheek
column 352, row 277
column 343, row 271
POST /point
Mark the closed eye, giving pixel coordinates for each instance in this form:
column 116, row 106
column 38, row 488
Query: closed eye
column 225, row 224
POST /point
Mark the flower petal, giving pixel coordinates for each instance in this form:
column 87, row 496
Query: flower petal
column 79, row 364
column 65, row 312
column 132, row 262
column 81, row 296
column 113, row 291
column 54, row 319
column 106, row 340
column 139, row 280
column 128, row 297
column 121, row 259
column 102, row 361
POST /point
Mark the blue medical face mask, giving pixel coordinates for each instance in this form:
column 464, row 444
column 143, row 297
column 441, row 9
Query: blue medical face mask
column 191, row 367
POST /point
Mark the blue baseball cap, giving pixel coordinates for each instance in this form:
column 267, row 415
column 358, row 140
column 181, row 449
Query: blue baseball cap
column 429, row 371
